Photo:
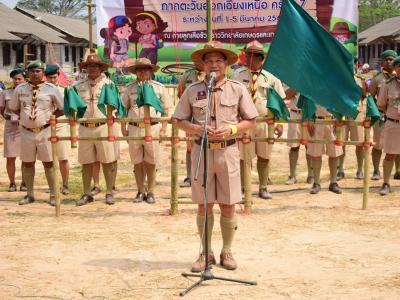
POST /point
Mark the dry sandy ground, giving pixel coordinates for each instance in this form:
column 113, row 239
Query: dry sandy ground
column 296, row 246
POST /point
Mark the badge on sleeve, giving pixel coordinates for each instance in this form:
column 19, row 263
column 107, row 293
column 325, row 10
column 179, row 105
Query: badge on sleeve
column 201, row 95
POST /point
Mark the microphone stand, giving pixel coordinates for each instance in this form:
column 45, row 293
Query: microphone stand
column 206, row 274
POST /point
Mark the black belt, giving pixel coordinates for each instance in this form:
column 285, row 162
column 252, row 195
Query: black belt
column 325, row 118
column 393, row 120
column 295, row 110
column 217, row 145
column 92, row 125
column 141, row 124
column 37, row 129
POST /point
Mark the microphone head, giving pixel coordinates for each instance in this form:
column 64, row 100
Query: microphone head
column 213, row 74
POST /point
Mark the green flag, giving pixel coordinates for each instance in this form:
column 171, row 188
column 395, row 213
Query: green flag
column 307, row 58
column 74, row 102
column 308, row 108
column 147, row 96
column 373, row 111
column 110, row 96
column 276, row 104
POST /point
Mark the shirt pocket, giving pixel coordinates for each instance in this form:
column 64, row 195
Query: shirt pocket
column 45, row 103
column 199, row 110
column 229, row 109
column 394, row 98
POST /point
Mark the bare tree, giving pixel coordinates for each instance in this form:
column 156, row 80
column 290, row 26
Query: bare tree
column 68, row 8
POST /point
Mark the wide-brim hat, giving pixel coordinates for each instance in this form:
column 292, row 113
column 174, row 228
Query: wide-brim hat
column 142, row 63
column 255, row 47
column 93, row 59
column 210, row 47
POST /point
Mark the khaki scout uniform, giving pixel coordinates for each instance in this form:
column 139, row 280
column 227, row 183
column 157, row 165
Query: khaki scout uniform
column 35, row 133
column 324, row 132
column 63, row 147
column 189, row 77
column 389, row 102
column 376, row 84
column 11, row 136
column 265, row 81
column 92, row 151
column 294, row 129
column 231, row 103
column 142, row 151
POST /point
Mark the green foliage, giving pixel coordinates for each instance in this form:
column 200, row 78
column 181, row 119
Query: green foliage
column 375, row 11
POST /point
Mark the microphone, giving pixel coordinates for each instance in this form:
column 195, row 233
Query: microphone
column 213, row 76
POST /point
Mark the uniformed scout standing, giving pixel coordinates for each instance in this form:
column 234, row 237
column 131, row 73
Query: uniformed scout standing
column 389, row 103
column 386, row 73
column 91, row 151
column 232, row 113
column 258, row 81
column 144, row 155
column 36, row 101
column 12, row 137
column 294, row 132
column 323, row 132
column 355, row 133
column 52, row 73
column 189, row 77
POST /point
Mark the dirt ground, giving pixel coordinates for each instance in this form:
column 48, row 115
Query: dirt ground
column 296, row 246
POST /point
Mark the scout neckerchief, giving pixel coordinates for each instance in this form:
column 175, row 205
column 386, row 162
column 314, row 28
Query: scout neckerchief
column 387, row 74
column 35, row 91
column 254, row 84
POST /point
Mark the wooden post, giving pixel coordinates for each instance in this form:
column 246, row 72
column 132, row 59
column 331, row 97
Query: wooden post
column 53, row 139
column 367, row 147
column 209, row 21
column 90, row 5
column 147, row 124
column 174, row 169
column 110, row 123
column 72, row 129
column 248, row 201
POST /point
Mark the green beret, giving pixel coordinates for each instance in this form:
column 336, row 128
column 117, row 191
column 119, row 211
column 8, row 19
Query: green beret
column 17, row 71
column 51, row 69
column 36, row 64
column 387, row 53
column 396, row 60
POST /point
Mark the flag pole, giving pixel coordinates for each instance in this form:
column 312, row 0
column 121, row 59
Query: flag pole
column 89, row 6
column 209, row 20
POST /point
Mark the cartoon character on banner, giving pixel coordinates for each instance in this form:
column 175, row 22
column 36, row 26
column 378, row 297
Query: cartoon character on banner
column 116, row 42
column 149, row 26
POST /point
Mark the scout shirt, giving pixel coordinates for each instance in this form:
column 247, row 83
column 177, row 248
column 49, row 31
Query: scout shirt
column 389, row 98
column 90, row 90
column 49, row 99
column 5, row 98
column 322, row 112
column 231, row 103
column 130, row 95
column 265, row 81
column 378, row 80
column 189, row 77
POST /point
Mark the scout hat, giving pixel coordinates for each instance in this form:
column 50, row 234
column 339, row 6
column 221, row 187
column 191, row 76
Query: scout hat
column 396, row 60
column 93, row 59
column 36, row 64
column 213, row 46
column 255, row 47
column 387, row 53
column 51, row 69
column 142, row 63
column 17, row 71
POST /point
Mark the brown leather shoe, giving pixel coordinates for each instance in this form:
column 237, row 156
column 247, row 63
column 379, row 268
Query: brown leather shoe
column 200, row 264
column 85, row 199
column 315, row 188
column 227, row 261
column 264, row 194
column 385, row 189
column 110, row 199
column 335, row 188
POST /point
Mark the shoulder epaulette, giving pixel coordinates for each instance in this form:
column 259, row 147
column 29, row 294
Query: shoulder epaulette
column 241, row 69
column 235, row 81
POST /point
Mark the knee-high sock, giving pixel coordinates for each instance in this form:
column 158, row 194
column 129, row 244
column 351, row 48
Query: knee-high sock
column 397, row 163
column 228, row 229
column 293, row 158
column 188, row 164
column 341, row 160
column 333, row 165
column 139, row 177
column 151, row 176
column 29, row 178
column 115, row 168
column 376, row 158
column 360, row 158
column 200, row 226
column 387, row 170
column 263, row 172
column 87, row 173
column 49, row 172
column 316, row 166
column 108, row 171
column 242, row 173
column 22, row 174
column 309, row 165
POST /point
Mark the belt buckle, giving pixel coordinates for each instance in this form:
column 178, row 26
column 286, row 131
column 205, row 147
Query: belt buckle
column 36, row 130
column 141, row 125
column 91, row 125
column 215, row 145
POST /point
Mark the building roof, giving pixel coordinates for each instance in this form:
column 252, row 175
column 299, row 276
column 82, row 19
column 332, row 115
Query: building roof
column 388, row 28
column 16, row 26
column 71, row 27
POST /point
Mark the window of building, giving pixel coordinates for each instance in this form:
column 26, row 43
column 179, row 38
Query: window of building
column 19, row 53
column 80, row 53
column 43, row 53
column 32, row 52
column 380, row 49
column 66, row 54
column 6, row 54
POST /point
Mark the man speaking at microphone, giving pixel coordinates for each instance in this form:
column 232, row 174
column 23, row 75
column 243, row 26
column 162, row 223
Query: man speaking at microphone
column 232, row 112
